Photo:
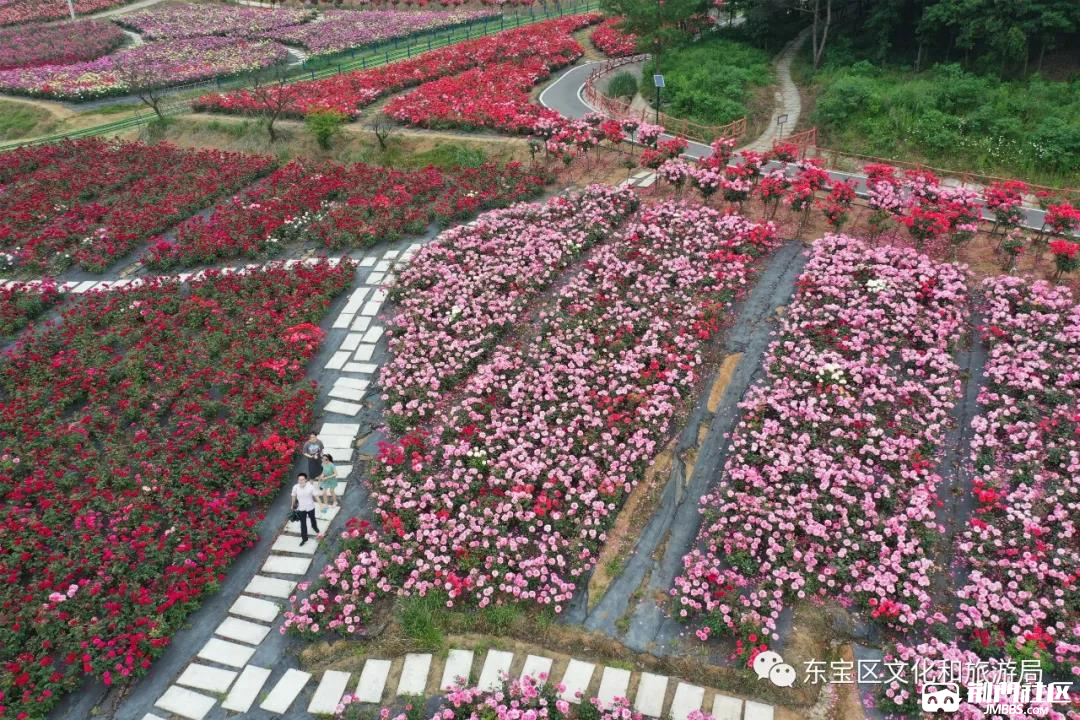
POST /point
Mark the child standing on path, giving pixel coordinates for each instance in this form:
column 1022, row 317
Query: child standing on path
column 328, row 483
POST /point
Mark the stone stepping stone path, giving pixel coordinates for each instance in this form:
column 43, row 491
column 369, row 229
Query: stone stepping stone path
column 220, row 669
column 605, row 682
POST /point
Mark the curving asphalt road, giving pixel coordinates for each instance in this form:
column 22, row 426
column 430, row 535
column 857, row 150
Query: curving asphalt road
column 564, row 95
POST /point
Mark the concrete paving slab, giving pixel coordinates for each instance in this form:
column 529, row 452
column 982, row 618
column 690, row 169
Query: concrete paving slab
column 496, row 667
column 458, row 665
column 270, row 586
column 291, row 544
column 374, row 333
column 228, row 653
column 535, row 666
column 340, row 407
column 614, row 683
column 343, row 320
column 246, row 689
column 347, row 393
column 286, row 565
column 338, row 360
column 363, row 352
column 576, row 680
column 332, row 428
column 687, row 699
column 369, row 688
column 288, row 687
column 185, row 703
column 255, row 609
column 414, row 674
column 355, row 383
column 649, row 700
column 205, row 677
column 371, row 308
column 725, row 707
column 758, row 711
column 329, row 692
column 351, row 341
column 243, row 631
column 361, row 323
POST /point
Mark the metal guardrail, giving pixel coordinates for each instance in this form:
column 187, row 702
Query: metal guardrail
column 366, row 58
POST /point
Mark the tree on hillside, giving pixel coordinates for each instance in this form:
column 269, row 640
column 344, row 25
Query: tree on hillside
column 273, row 99
column 142, row 82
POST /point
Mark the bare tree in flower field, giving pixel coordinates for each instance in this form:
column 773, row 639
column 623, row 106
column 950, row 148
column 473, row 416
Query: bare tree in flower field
column 272, row 100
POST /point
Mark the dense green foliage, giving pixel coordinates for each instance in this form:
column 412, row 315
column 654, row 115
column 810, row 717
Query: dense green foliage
column 622, row 85
column 950, row 118
column 711, row 81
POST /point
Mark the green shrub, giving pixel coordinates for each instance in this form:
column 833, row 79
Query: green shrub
column 953, row 119
column 622, row 85
column 711, row 81
column 325, row 125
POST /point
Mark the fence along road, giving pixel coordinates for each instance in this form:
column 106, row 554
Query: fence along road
column 319, row 68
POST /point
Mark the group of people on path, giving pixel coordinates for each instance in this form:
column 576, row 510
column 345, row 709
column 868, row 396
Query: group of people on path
column 317, row 486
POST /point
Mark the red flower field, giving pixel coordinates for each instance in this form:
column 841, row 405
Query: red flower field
column 139, row 440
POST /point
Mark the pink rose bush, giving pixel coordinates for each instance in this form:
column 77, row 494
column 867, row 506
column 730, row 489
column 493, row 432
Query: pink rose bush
column 462, row 293
column 161, row 63
column 150, row 428
column 340, row 30
column 348, row 92
column 16, row 12
column 1023, row 562
column 829, row 486
column 340, row 206
column 34, row 45
column 92, row 201
column 186, row 20
column 542, row 444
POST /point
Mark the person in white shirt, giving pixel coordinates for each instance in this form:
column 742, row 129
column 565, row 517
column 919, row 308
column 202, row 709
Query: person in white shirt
column 303, row 500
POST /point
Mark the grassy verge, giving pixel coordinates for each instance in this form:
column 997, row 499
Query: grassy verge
column 714, row 81
column 948, row 118
column 20, row 120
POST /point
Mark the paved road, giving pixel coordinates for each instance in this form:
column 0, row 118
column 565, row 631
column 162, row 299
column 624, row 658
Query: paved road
column 565, row 96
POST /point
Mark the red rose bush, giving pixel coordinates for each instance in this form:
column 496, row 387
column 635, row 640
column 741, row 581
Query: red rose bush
column 341, row 206
column 348, row 92
column 141, row 439
column 92, row 201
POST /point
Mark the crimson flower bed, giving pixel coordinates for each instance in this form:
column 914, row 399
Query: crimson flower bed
column 348, row 92
column 492, row 96
column 829, row 489
column 612, row 41
column 20, row 304
column 340, row 207
column 140, row 440
column 459, row 295
column 91, row 201
column 57, row 44
column 16, row 12
column 551, row 434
